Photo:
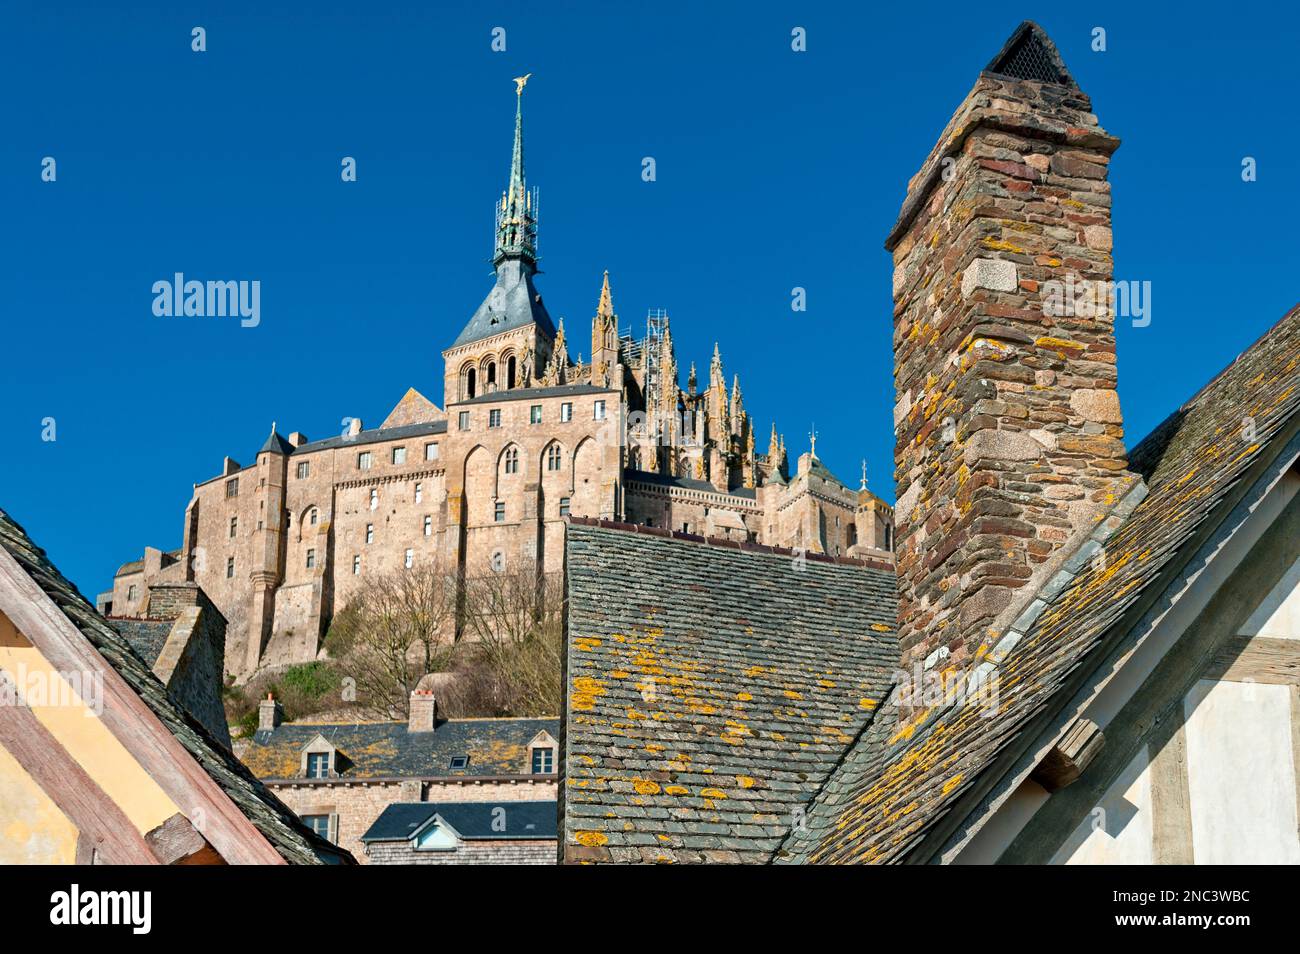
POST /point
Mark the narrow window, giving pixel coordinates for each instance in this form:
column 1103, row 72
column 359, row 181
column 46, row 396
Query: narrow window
column 464, row 420
column 512, row 460
column 564, row 506
column 363, row 460
column 356, row 565
column 499, row 511
column 370, row 533
column 311, row 559
column 419, row 492
column 543, row 761
column 494, row 417
column 410, row 558
column 431, row 451
column 428, row 525
column 230, row 568
column 232, row 487
column 234, row 527
column 599, row 410
column 312, row 516
column 374, row 498
column 510, row 372
column 304, row 469
column 498, row 562
column 553, row 457
column 535, row 414
column 469, row 383
column 132, row 592
column 399, row 455
column 566, row 411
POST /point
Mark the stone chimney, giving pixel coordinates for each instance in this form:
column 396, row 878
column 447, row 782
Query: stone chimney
column 268, row 714
column 1008, row 433
column 424, row 711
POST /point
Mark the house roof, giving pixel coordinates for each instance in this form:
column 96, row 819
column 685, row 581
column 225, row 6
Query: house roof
column 472, row 821
column 276, row 444
column 688, row 483
column 711, row 691
column 291, row 839
column 374, row 436
column 906, row 789
column 495, row 747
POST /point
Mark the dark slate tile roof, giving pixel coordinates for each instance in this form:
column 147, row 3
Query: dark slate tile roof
column 496, row 747
column 711, row 691
column 892, row 798
column 294, row 841
column 512, row 303
column 532, row 394
column 146, row 636
column 276, row 444
column 471, row 820
column 375, row 435
column 688, row 483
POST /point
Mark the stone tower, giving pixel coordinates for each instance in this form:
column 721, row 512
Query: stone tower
column 604, row 337
column 1008, row 431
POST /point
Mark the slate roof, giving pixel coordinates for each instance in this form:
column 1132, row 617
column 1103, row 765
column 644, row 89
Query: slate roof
column 373, row 750
column 905, row 790
column 146, row 636
column 375, row 435
column 294, row 841
column 276, row 444
column 711, row 691
column 527, row 394
column 512, row 303
column 472, row 821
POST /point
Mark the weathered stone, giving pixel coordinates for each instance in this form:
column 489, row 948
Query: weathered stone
column 1096, row 404
column 1001, row 445
column 992, row 274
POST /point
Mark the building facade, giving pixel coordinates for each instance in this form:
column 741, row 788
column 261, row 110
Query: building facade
column 341, row 777
column 525, row 437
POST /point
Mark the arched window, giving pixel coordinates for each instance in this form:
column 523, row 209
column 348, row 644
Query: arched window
column 469, row 383
column 510, row 372
column 553, row 457
column 490, row 377
column 512, row 460
column 889, row 537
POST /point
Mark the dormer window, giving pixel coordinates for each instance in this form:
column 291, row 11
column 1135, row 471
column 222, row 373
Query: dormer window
column 543, row 761
column 318, row 764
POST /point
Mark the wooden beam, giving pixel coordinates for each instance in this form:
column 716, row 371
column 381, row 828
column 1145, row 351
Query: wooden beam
column 1070, row 756
column 1262, row 659
column 176, row 842
column 131, row 721
column 105, row 833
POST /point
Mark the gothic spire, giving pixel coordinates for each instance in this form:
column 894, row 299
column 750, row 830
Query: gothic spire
column 517, row 213
column 605, row 307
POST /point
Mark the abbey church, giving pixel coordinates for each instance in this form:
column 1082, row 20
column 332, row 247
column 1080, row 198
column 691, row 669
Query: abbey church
column 525, row 438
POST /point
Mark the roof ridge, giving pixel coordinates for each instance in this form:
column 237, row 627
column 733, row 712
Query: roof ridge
column 722, row 543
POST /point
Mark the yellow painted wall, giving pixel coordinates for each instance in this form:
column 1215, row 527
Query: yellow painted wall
column 87, row 740
column 32, row 829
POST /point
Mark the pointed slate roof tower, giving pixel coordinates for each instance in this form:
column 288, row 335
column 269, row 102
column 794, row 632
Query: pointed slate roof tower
column 514, row 301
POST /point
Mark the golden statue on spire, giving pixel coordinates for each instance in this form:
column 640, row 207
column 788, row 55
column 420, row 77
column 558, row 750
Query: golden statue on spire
column 520, row 83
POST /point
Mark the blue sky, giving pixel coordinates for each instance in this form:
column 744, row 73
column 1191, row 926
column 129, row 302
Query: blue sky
column 775, row 169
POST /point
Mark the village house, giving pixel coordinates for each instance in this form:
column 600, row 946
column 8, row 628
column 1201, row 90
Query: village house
column 342, row 777
column 463, row 833
column 1084, row 654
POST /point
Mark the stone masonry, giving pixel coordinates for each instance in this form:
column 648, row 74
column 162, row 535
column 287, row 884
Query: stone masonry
column 1009, row 437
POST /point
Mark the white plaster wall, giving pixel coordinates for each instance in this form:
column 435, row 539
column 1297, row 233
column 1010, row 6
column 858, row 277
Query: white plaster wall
column 1241, row 773
column 1278, row 617
column 1118, row 830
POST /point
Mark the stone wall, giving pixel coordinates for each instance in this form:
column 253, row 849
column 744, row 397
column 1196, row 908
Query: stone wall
column 535, row 852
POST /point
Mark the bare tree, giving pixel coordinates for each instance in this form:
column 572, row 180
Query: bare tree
column 397, row 629
column 513, row 623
